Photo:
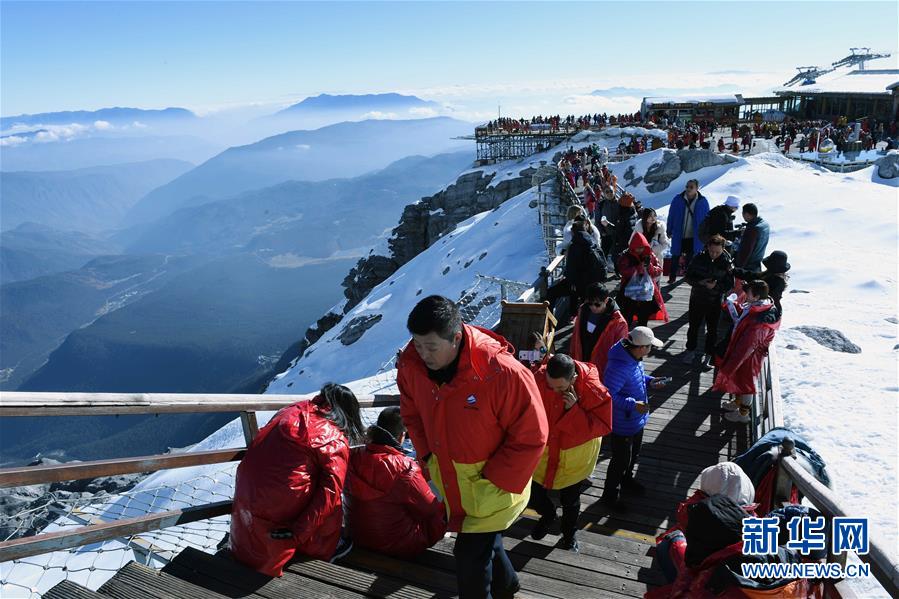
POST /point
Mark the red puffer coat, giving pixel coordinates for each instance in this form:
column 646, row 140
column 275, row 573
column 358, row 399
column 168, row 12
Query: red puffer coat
column 484, row 430
column 574, row 434
column 391, row 507
column 291, row 477
column 748, row 346
column 630, row 264
column 615, row 331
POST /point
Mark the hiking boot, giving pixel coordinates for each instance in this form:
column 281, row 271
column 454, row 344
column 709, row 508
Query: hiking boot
column 740, row 416
column 344, row 546
column 632, row 486
column 732, row 406
column 569, row 543
column 689, row 356
column 541, row 528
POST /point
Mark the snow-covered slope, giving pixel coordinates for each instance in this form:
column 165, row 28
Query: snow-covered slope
column 840, row 232
column 504, row 243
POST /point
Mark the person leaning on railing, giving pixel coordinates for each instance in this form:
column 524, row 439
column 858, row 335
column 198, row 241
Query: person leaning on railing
column 755, row 324
column 287, row 496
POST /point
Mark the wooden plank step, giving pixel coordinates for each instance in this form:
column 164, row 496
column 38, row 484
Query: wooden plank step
column 440, row 556
column 594, row 546
column 439, row 583
column 70, row 590
column 221, row 573
column 374, row 585
column 135, row 580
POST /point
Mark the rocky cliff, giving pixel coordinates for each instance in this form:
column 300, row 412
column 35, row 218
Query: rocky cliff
column 421, row 224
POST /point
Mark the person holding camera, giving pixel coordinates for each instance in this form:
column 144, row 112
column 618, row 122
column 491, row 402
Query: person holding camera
column 579, row 412
column 710, row 274
column 628, row 383
column 639, row 295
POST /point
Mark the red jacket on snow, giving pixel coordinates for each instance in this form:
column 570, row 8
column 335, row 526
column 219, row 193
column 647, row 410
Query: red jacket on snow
column 748, row 346
column 615, row 331
column 391, row 507
column 629, row 264
column 291, row 477
column 484, row 430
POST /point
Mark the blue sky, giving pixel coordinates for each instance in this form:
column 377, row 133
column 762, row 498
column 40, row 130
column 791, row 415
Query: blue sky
column 211, row 55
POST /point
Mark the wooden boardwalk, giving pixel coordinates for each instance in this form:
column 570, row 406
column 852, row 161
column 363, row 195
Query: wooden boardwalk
column 686, row 432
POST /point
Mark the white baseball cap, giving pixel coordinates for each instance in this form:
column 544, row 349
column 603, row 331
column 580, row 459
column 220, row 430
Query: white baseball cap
column 732, row 202
column 643, row 336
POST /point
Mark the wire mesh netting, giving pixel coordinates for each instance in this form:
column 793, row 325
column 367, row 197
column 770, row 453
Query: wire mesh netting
column 91, row 565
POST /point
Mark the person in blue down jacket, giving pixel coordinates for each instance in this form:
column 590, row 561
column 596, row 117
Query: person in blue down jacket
column 688, row 209
column 627, row 382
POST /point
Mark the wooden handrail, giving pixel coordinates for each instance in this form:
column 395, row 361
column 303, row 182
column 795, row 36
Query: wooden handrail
column 16, row 403
column 885, row 571
column 96, row 533
column 35, row 475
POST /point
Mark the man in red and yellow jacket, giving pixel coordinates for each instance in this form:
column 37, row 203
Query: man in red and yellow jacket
column 579, row 412
column 476, row 419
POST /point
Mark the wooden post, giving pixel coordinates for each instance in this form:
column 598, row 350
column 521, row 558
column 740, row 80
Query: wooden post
column 250, row 426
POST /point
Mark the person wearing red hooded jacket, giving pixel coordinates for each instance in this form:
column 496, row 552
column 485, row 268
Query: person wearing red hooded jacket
column 476, row 420
column 597, row 327
column 754, row 328
column 287, row 496
column 391, row 508
column 638, row 260
column 579, row 412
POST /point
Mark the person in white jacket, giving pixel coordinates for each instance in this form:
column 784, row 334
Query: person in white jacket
column 654, row 231
column 576, row 212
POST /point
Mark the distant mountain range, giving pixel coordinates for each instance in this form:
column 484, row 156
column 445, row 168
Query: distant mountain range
column 367, row 102
column 342, row 150
column 32, row 250
column 88, row 199
column 100, row 150
column 113, row 116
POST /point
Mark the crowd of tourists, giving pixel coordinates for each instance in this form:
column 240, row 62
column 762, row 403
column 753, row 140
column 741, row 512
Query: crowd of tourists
column 480, row 435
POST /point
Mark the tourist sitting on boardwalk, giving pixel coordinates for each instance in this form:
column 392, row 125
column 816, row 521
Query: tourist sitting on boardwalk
column 688, row 209
column 714, row 555
column 639, row 295
column 725, row 478
column 391, row 508
column 477, row 422
column 579, row 412
column 584, row 261
column 711, row 275
column 287, row 496
column 597, row 327
column 755, row 324
column 654, row 231
column 627, row 382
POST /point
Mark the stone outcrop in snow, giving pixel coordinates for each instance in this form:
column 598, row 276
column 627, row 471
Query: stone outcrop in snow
column 676, row 162
column 888, row 166
column 830, row 338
